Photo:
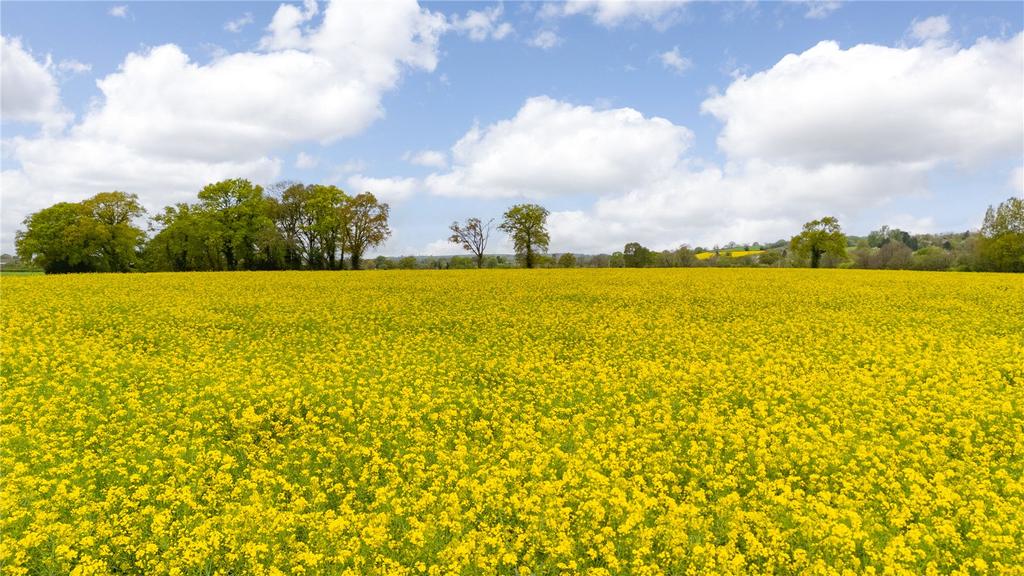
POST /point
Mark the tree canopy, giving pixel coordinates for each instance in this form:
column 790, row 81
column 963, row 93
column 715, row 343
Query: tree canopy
column 526, row 225
column 820, row 237
column 1002, row 237
column 366, row 225
column 95, row 235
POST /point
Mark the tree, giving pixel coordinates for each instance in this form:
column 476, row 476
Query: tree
column 366, row 225
column 118, row 240
column 526, row 225
column 884, row 235
column 819, row 237
column 636, row 256
column 243, row 213
column 472, row 236
column 189, row 239
column 1001, row 246
column 95, row 235
column 567, row 260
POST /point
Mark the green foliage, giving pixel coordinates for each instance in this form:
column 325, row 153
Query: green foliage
column 366, row 225
column 407, row 263
column 95, row 235
column 884, row 235
column 526, row 225
column 636, row 256
column 244, row 229
column 1001, row 245
column 567, row 260
column 819, row 237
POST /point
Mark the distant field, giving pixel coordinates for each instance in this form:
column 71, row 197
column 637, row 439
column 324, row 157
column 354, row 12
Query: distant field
column 729, row 253
column 684, row 421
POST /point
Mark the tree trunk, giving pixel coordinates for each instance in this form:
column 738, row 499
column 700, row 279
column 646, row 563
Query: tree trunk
column 355, row 260
column 815, row 257
column 479, row 260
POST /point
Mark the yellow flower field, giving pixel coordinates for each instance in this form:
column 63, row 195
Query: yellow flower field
column 694, row 421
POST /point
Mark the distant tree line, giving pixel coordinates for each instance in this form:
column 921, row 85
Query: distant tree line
column 236, row 225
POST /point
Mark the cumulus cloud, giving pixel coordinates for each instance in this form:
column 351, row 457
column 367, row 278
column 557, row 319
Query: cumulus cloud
column 675, row 61
column 29, row 90
column 428, row 158
column 545, row 40
column 661, row 14
column 551, row 148
column 166, row 125
column 238, row 24
column 930, row 28
column 385, row 189
column 878, row 105
column 827, row 131
column 118, row 11
column 480, row 25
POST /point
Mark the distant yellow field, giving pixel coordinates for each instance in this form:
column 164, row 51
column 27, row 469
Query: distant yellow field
column 687, row 421
column 729, row 253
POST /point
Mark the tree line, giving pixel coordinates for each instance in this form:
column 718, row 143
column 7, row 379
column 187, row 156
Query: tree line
column 236, row 225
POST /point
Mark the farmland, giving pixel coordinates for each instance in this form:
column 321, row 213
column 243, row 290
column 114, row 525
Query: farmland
column 513, row 422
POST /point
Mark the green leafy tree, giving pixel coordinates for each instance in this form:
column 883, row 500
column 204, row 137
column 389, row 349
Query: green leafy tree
column 243, row 213
column 118, row 239
column 287, row 210
column 526, row 225
column 326, row 211
column 189, row 239
column 1001, row 245
column 820, row 237
column 472, row 237
column 636, row 256
column 95, row 235
column 567, row 260
column 366, row 225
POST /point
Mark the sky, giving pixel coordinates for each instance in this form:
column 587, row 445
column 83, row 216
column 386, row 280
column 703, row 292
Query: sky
column 659, row 122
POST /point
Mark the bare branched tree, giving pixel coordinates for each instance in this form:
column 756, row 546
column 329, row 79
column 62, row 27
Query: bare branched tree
column 472, row 236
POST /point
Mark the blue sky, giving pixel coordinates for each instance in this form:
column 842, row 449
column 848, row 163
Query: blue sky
column 659, row 122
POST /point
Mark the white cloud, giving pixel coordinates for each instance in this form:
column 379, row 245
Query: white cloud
column 551, row 148
column 1016, row 181
column 673, row 60
column 118, row 11
column 428, row 158
column 306, row 161
column 29, row 90
column 819, row 9
column 661, row 14
column 239, row 23
column 545, row 40
column 74, row 66
column 166, row 125
column 748, row 201
column 480, row 25
column 828, row 131
column 878, row 105
column 385, row 189
column 932, row 28
column 284, row 29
